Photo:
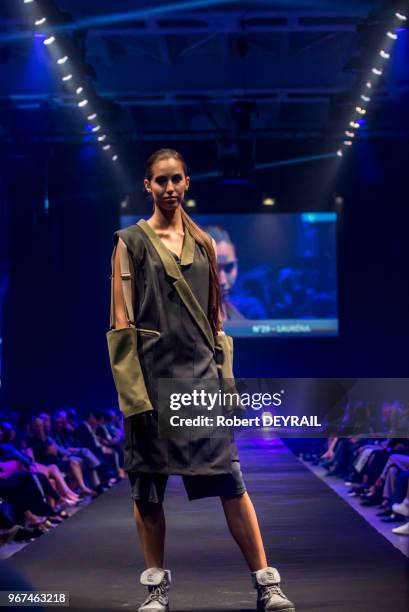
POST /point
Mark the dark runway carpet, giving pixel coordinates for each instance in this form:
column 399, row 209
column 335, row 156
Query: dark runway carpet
column 330, row 559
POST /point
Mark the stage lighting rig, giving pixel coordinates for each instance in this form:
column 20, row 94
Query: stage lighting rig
column 67, row 46
column 392, row 18
column 54, row 17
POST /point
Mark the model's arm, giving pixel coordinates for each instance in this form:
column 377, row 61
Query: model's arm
column 119, row 306
column 123, row 353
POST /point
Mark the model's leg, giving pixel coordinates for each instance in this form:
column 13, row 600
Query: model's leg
column 150, row 521
column 243, row 525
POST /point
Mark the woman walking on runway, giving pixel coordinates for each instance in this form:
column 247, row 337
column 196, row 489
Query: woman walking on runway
column 155, row 337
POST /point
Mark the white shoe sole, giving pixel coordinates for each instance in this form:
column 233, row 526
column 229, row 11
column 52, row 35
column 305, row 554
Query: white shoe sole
column 262, row 609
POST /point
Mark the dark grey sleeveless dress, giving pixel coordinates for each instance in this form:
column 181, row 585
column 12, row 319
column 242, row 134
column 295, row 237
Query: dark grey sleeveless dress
column 170, row 345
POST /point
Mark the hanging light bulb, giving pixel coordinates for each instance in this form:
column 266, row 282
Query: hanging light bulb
column 401, row 16
column 92, row 117
column 79, row 90
column 39, row 22
column 67, row 77
column 365, row 98
column 106, row 147
column 349, row 134
column 384, row 54
column 392, row 35
column 96, row 128
column 62, row 60
column 102, row 138
column 348, row 143
column 82, row 103
column 49, row 40
column 369, row 84
column 377, row 71
column 114, row 157
column 339, row 153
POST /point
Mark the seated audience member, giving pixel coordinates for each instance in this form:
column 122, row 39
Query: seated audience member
column 20, row 461
column 110, row 440
column 86, row 436
column 24, row 497
column 45, row 456
column 70, row 463
column 63, row 435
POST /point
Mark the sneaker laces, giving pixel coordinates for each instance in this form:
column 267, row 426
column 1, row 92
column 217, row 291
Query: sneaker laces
column 266, row 591
column 158, row 593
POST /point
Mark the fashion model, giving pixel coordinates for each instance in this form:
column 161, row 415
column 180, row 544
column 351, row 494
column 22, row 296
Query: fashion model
column 167, row 342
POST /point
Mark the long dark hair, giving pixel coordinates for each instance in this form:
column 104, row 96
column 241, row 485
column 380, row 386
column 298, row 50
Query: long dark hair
column 199, row 235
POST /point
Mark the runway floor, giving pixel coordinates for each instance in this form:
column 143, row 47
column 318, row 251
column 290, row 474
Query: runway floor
column 330, row 558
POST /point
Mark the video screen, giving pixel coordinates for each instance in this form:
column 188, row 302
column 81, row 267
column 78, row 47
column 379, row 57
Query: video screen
column 277, row 273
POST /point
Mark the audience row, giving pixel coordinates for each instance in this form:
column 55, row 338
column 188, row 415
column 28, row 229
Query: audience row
column 49, row 463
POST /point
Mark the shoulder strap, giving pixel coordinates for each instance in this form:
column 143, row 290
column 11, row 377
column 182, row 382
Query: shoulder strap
column 179, row 283
column 126, row 279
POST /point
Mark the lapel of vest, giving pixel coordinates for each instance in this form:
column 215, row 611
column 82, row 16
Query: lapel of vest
column 179, row 282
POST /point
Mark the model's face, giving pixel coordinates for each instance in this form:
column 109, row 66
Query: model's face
column 226, row 266
column 168, row 183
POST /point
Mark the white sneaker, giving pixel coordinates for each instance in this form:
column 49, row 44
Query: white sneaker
column 270, row 597
column 402, row 508
column 402, row 530
column 157, row 580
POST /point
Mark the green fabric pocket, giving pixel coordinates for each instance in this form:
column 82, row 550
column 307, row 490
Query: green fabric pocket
column 127, row 372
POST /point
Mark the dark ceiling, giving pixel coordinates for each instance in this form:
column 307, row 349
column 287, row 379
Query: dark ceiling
column 193, row 69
